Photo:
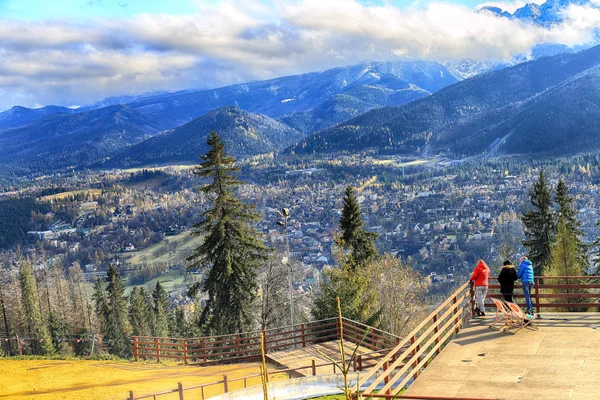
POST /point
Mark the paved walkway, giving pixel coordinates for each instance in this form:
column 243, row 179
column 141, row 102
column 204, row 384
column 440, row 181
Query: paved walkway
column 560, row 361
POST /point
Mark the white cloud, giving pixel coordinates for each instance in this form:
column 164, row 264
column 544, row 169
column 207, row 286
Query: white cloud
column 229, row 42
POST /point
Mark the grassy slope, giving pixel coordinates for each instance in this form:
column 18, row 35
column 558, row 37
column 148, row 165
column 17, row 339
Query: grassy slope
column 137, row 257
column 87, row 380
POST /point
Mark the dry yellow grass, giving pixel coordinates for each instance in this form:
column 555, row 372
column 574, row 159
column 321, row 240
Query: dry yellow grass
column 64, row 195
column 87, row 380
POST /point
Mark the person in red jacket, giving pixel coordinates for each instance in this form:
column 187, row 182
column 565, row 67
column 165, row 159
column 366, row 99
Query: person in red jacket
column 480, row 278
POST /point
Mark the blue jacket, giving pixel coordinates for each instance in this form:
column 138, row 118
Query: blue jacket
column 525, row 272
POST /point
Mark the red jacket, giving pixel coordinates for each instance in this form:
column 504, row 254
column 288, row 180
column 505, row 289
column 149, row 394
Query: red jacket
column 480, row 274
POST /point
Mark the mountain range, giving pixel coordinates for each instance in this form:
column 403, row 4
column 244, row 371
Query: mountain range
column 67, row 139
column 546, row 14
column 244, row 134
column 548, row 105
column 543, row 106
column 306, row 103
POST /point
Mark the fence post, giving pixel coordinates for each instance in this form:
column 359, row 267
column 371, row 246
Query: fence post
column 537, row 294
column 303, row 336
column 386, row 378
column 185, row 352
column 157, row 343
column 360, row 362
column 225, row 384
column 238, row 344
column 413, row 339
column 314, row 367
column 180, row 389
column 333, row 367
column 131, row 395
column 20, row 341
column 455, row 311
column 135, row 348
column 472, row 295
column 203, row 349
column 435, row 332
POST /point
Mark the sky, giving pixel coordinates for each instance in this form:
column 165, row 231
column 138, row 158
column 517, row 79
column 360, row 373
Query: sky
column 76, row 52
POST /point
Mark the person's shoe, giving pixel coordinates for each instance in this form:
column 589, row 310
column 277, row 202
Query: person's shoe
column 477, row 311
column 482, row 314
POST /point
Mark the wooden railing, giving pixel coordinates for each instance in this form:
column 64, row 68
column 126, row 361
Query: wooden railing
column 227, row 384
column 405, row 361
column 247, row 346
column 556, row 292
column 571, row 293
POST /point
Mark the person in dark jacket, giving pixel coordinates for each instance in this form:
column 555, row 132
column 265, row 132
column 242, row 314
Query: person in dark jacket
column 506, row 279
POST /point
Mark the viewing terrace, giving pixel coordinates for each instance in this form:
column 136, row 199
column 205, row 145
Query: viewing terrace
column 559, row 360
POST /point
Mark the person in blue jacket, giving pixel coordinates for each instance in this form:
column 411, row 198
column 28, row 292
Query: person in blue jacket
column 525, row 273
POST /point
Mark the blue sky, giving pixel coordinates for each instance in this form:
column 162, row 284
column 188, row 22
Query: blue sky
column 88, row 9
column 48, row 9
column 74, row 52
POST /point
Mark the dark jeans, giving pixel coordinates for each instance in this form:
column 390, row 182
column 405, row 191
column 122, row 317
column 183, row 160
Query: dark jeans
column 508, row 297
column 527, row 286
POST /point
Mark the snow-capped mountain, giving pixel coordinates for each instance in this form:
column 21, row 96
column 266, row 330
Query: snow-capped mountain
column 546, row 14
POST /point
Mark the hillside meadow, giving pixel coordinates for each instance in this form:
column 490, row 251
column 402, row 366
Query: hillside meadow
column 112, row 380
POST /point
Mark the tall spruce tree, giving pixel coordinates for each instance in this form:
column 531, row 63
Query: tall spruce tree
column 566, row 260
column 117, row 328
column 232, row 249
column 351, row 282
column 539, row 226
column 567, row 212
column 139, row 317
column 353, row 236
column 357, row 294
column 100, row 305
column 161, row 309
column 41, row 342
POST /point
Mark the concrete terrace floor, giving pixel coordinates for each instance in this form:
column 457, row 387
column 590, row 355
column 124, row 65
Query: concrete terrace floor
column 559, row 361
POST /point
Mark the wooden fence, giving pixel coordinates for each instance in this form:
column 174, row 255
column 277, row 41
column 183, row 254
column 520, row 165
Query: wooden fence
column 415, row 351
column 227, row 384
column 551, row 293
column 573, row 293
column 246, row 346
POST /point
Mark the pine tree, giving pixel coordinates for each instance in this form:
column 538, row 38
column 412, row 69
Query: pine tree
column 567, row 213
column 351, row 219
column 100, row 305
column 566, row 260
column 232, row 249
column 117, row 324
column 148, row 307
column 539, row 226
column 161, row 309
column 353, row 236
column 138, row 314
column 357, row 294
column 36, row 329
